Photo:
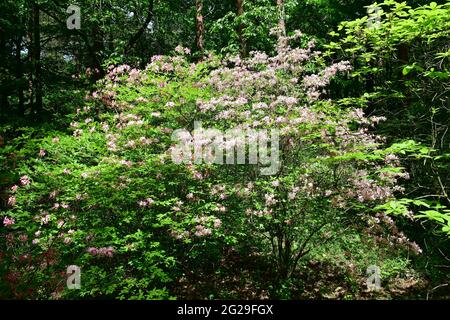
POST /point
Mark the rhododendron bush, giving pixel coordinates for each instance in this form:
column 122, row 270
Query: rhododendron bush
column 108, row 196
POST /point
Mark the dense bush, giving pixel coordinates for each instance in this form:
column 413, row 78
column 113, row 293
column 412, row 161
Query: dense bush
column 109, row 198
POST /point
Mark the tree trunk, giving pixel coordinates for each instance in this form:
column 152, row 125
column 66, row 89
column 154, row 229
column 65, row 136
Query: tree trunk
column 36, row 59
column 19, row 75
column 281, row 21
column 200, row 28
column 98, row 47
column 240, row 12
column 3, row 98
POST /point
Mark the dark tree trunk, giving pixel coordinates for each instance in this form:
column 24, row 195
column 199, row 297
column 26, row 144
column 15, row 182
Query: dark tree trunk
column 3, row 98
column 36, row 59
column 97, row 48
column 200, row 28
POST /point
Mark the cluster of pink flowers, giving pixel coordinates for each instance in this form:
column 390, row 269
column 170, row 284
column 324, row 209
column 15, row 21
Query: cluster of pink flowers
column 102, row 252
column 181, row 50
column 259, row 213
column 202, row 231
column 395, row 238
column 136, row 76
column 146, row 203
column 180, row 235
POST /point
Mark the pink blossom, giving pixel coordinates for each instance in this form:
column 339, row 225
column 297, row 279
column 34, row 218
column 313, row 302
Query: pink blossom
column 190, row 196
column 45, row 219
column 11, row 201
column 24, row 180
column 217, row 223
column 202, row 231
column 8, row 221
column 93, row 251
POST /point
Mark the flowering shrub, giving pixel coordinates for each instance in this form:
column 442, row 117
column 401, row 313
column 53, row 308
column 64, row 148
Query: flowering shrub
column 110, row 199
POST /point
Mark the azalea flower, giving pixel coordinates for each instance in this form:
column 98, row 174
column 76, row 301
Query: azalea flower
column 11, row 201
column 24, row 180
column 8, row 221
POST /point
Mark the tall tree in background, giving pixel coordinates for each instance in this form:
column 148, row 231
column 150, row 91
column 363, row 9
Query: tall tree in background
column 36, row 58
column 281, row 22
column 240, row 12
column 281, row 14
column 199, row 25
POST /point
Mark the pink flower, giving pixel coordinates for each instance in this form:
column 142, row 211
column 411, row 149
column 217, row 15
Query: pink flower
column 217, row 223
column 142, row 204
column 42, row 153
column 45, row 219
column 14, row 188
column 190, row 196
column 92, row 251
column 201, row 231
column 8, row 221
column 53, row 194
column 106, row 252
column 198, row 176
column 223, row 196
column 24, row 181
column 12, row 201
